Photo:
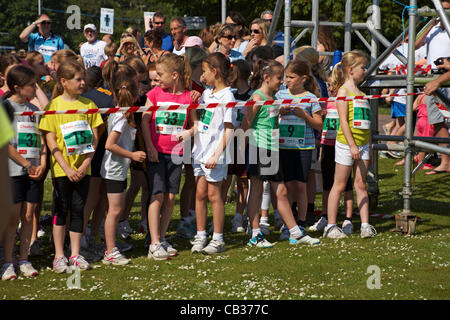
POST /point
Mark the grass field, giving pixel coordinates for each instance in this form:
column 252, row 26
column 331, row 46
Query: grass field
column 415, row 267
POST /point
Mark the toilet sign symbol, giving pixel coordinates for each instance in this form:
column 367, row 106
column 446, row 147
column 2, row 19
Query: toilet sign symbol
column 107, row 21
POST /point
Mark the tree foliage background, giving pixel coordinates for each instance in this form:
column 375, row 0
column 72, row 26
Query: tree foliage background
column 17, row 14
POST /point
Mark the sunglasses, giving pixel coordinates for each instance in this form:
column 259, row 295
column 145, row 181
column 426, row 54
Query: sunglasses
column 229, row 37
column 267, row 20
column 255, row 31
column 158, row 22
column 46, row 22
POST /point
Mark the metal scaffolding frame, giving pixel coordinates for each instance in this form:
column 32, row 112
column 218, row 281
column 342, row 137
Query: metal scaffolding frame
column 374, row 82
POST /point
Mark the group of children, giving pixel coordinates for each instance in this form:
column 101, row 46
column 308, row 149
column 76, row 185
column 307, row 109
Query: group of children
column 277, row 146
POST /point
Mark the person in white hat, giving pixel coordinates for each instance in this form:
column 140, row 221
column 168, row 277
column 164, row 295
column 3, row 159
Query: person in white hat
column 92, row 51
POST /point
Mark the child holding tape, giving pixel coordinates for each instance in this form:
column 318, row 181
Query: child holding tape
column 353, row 143
column 27, row 162
column 71, row 139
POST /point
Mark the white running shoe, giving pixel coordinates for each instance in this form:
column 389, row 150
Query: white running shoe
column 157, row 252
column 60, row 264
column 79, row 262
column 304, row 240
column 264, row 226
column 115, row 257
column 319, row 225
column 347, row 227
column 334, row 232
column 237, row 224
column 8, row 272
column 27, row 269
column 214, row 247
column 260, row 242
column 368, row 231
column 169, row 248
column 198, row 244
column 285, row 234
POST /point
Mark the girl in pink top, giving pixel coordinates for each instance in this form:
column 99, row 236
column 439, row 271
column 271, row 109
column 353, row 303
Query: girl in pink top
column 164, row 131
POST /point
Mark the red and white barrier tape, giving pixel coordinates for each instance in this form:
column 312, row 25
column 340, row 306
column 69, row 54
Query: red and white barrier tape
column 211, row 105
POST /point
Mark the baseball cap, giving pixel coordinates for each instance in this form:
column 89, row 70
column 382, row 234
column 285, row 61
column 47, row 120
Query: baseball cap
column 90, row 26
column 193, row 42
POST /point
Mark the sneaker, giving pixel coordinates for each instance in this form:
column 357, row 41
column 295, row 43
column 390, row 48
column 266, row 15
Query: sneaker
column 347, row 227
column 383, row 155
column 319, row 225
column 237, row 224
column 214, row 247
column 394, row 154
column 8, row 272
column 157, row 252
column 124, row 247
column 198, row 244
column 27, row 270
column 169, row 248
column 187, row 230
column 264, row 228
column 334, row 232
column 260, row 242
column 306, row 239
column 285, row 234
column 115, row 257
column 60, row 264
column 35, row 249
column 79, row 262
column 368, row 231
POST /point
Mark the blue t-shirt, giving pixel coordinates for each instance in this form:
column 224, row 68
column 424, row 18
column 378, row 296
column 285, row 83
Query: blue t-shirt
column 47, row 47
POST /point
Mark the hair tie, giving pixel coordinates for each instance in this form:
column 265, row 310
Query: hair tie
column 231, row 65
column 124, row 87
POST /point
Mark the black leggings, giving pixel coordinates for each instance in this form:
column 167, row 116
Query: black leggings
column 70, row 197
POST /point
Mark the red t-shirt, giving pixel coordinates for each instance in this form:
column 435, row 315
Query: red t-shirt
column 165, row 124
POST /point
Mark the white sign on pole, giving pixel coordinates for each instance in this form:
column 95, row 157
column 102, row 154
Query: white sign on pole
column 107, row 21
column 148, row 20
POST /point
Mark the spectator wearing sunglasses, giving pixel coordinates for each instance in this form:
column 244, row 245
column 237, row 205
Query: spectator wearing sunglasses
column 43, row 41
column 278, row 39
column 225, row 40
column 240, row 30
column 258, row 35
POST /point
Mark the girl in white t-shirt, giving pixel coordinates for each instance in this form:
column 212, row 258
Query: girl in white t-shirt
column 213, row 131
column 118, row 154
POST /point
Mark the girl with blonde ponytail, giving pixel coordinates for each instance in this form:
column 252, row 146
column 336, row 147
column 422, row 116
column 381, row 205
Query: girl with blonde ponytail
column 163, row 130
column 353, row 143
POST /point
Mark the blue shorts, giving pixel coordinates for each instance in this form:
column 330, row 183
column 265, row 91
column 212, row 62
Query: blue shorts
column 398, row 110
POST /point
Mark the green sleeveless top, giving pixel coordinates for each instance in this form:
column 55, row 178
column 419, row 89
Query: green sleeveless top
column 265, row 133
column 359, row 117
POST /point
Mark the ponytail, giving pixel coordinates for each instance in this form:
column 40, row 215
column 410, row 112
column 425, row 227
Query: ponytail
column 263, row 67
column 349, row 59
column 124, row 87
column 178, row 64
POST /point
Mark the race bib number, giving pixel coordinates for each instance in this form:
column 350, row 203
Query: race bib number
column 77, row 137
column 361, row 114
column 28, row 140
column 170, row 122
column 292, row 131
column 205, row 120
column 331, row 124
